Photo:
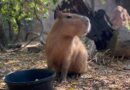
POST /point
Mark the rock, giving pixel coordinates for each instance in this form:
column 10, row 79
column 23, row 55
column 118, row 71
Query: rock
column 91, row 47
column 120, row 17
column 120, row 43
column 34, row 48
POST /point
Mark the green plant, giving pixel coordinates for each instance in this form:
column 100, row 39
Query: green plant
column 15, row 11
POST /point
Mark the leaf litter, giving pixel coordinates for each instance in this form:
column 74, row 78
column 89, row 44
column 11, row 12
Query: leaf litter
column 112, row 76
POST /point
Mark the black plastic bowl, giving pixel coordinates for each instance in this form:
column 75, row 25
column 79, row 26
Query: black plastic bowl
column 35, row 79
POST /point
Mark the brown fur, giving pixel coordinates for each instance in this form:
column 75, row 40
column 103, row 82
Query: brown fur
column 65, row 51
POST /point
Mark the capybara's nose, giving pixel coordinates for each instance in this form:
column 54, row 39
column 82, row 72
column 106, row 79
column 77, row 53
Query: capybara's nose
column 85, row 19
column 87, row 22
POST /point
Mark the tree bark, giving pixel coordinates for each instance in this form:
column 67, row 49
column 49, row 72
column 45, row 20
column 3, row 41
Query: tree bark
column 10, row 31
column 2, row 36
column 19, row 28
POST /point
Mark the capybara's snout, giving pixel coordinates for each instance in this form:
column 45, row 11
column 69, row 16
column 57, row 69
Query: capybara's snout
column 86, row 20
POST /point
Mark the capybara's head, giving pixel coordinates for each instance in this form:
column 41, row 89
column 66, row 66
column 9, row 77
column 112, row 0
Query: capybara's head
column 73, row 24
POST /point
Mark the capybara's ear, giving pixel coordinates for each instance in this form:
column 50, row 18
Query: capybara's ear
column 59, row 14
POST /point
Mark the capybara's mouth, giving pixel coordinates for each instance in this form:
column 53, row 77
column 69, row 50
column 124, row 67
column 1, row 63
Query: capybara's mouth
column 84, row 34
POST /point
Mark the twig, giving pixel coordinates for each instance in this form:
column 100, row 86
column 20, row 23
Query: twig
column 25, row 45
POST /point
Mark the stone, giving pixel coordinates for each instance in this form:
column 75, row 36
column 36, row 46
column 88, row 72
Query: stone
column 120, row 43
column 36, row 48
column 90, row 46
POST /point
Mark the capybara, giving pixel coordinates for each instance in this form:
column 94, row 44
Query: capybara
column 65, row 51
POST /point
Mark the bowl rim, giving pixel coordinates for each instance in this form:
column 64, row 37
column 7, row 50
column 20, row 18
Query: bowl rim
column 49, row 78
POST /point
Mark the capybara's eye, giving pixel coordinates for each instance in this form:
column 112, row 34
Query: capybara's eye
column 68, row 17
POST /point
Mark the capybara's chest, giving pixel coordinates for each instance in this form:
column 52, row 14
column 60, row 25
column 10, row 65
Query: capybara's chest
column 60, row 53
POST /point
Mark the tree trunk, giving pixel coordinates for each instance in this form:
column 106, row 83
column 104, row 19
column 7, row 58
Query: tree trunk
column 11, row 34
column 19, row 28
column 2, row 36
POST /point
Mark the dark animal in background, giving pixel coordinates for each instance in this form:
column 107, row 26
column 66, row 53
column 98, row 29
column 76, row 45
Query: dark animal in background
column 101, row 31
column 65, row 51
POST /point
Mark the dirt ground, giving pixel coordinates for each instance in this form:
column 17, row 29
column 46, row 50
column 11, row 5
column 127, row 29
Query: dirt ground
column 113, row 76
